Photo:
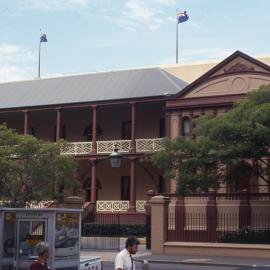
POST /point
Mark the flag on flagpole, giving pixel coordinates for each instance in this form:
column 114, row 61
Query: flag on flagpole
column 182, row 16
column 43, row 38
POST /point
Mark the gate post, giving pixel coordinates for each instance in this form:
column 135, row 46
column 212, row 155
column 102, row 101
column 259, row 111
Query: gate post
column 148, row 224
column 159, row 220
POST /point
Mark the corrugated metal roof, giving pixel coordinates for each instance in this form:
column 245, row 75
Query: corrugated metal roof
column 89, row 88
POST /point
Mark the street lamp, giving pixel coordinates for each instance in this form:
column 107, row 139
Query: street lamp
column 115, row 158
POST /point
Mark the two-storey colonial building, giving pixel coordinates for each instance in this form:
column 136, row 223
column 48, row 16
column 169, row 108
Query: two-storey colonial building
column 129, row 109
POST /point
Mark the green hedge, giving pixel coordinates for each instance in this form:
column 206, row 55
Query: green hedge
column 122, row 230
column 247, row 236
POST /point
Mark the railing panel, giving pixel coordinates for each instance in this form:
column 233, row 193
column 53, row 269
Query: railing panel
column 107, row 147
column 76, row 148
column 112, row 206
column 118, row 206
column 149, row 145
column 140, row 206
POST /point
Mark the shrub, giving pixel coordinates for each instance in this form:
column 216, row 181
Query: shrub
column 247, row 235
column 122, row 230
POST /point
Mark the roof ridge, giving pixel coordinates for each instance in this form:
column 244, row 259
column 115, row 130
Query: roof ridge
column 166, row 75
column 80, row 74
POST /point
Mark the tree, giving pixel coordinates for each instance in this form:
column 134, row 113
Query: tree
column 32, row 169
column 227, row 147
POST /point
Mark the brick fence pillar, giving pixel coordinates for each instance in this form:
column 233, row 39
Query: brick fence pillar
column 159, row 223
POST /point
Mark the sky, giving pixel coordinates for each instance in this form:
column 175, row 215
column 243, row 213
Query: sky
column 103, row 35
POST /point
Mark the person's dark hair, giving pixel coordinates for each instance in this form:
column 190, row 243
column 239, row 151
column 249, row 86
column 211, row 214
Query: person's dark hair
column 131, row 241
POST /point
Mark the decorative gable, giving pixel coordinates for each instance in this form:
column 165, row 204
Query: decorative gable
column 237, row 74
column 238, row 64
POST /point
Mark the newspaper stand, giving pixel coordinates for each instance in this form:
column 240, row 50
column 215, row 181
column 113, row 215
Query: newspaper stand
column 22, row 229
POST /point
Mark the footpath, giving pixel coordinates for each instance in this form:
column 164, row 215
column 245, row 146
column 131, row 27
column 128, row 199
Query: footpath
column 143, row 254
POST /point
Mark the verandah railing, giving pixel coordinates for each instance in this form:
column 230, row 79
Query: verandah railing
column 118, row 206
column 107, row 147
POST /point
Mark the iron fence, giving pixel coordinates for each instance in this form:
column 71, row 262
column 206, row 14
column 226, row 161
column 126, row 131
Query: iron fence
column 100, row 231
column 109, row 230
column 222, row 227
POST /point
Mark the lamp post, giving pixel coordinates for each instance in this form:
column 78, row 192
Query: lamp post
column 115, row 158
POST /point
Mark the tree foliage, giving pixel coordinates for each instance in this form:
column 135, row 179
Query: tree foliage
column 227, row 147
column 32, row 169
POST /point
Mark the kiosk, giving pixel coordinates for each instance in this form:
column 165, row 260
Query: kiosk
column 22, row 229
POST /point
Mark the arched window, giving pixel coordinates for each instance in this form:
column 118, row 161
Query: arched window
column 185, row 127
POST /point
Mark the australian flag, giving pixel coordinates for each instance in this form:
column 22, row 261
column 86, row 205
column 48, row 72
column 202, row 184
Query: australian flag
column 43, row 38
column 182, row 17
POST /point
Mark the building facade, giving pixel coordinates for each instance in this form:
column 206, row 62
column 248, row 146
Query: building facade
column 131, row 110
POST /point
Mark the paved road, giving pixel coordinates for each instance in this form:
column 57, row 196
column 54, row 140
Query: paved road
column 109, row 266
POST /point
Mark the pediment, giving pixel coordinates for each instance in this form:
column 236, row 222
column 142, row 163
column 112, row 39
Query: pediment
column 238, row 65
column 229, row 85
column 237, row 74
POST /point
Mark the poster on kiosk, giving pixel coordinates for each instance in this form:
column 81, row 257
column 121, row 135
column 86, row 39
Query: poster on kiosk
column 23, row 229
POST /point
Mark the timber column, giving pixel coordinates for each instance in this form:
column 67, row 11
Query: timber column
column 94, row 130
column 94, row 182
column 132, row 201
column 133, row 128
column 191, row 125
column 180, row 124
column 25, row 126
column 58, row 124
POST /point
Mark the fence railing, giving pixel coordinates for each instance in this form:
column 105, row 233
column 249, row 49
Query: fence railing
column 225, row 227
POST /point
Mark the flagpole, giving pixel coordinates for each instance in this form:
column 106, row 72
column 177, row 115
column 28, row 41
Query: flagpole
column 39, row 59
column 176, row 36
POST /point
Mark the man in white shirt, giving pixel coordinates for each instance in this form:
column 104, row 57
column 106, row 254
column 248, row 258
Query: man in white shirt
column 124, row 260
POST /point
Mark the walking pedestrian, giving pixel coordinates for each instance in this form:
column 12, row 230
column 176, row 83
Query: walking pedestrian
column 124, row 260
column 43, row 254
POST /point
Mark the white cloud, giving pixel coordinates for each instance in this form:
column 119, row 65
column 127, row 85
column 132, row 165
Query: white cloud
column 133, row 14
column 146, row 13
column 16, row 63
column 56, row 5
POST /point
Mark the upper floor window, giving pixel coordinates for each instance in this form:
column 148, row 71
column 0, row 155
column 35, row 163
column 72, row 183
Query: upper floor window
column 62, row 132
column 126, row 130
column 185, row 127
column 125, row 188
column 162, row 128
column 88, row 131
column 31, row 131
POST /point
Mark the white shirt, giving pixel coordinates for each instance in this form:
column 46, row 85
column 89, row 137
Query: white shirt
column 123, row 260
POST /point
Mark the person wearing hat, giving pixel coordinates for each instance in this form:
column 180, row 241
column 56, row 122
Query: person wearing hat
column 43, row 254
column 124, row 260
